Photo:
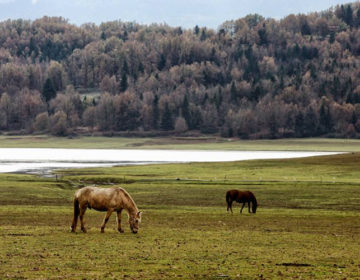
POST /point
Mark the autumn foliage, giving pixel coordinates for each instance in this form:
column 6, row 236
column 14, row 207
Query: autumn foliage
column 251, row 78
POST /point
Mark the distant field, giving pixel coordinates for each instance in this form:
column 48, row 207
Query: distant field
column 89, row 94
column 307, row 225
column 205, row 143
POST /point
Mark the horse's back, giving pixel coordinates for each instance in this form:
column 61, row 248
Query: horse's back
column 100, row 198
column 96, row 190
column 240, row 196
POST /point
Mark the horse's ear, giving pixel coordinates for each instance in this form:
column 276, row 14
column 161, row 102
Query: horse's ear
column 139, row 214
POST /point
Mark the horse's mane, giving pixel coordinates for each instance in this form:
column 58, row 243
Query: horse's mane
column 128, row 197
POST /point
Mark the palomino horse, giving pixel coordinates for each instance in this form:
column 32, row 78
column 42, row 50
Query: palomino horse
column 241, row 197
column 105, row 199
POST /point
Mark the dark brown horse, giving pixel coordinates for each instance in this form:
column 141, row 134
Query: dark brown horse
column 241, row 197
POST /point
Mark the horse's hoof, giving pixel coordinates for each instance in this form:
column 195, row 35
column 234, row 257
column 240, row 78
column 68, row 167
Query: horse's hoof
column 102, row 231
column 121, row 230
column 84, row 230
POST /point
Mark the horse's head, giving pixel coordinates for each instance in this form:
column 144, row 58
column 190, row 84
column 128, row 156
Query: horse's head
column 254, row 206
column 134, row 222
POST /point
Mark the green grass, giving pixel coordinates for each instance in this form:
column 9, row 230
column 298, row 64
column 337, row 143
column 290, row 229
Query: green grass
column 307, row 225
column 188, row 143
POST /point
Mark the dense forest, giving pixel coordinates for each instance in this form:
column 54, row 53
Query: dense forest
column 251, row 78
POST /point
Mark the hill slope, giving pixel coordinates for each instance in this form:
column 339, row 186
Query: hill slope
column 252, row 78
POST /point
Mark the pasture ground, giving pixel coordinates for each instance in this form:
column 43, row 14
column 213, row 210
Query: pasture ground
column 189, row 143
column 307, row 225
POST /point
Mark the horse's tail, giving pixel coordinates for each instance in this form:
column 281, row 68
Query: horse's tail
column 76, row 207
column 228, row 201
column 76, row 214
column 254, row 204
column 228, row 198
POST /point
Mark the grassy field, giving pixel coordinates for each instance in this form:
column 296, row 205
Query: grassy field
column 307, row 225
column 189, row 143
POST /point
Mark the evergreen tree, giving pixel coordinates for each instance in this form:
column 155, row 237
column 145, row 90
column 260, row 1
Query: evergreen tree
column 32, row 83
column 354, row 118
column 141, row 68
column 299, row 125
column 233, row 92
column 305, row 28
column 357, row 20
column 205, row 99
column 125, row 35
column 310, row 123
column 166, row 119
column 218, row 99
column 33, row 47
column 124, row 82
column 49, row 91
column 125, row 68
column 256, row 93
column 203, row 34
column 186, row 111
column 162, row 62
column 273, row 126
column 263, row 36
column 349, row 16
column 196, row 30
column 325, row 119
column 156, row 112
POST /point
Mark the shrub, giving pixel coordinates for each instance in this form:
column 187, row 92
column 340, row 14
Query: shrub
column 42, row 122
column 58, row 124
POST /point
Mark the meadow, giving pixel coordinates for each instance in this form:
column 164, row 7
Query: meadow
column 188, row 143
column 307, row 225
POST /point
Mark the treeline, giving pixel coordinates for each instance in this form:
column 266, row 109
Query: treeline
column 251, row 78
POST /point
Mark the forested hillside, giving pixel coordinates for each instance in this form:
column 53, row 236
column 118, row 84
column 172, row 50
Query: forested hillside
column 251, row 78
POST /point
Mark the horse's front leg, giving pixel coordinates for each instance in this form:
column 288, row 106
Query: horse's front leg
column 119, row 221
column 249, row 207
column 242, row 207
column 106, row 219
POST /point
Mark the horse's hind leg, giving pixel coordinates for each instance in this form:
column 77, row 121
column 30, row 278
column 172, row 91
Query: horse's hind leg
column 74, row 223
column 249, row 207
column 230, row 206
column 107, row 216
column 82, row 213
column 119, row 221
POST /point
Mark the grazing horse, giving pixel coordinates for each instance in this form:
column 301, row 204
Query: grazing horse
column 105, row 199
column 241, row 197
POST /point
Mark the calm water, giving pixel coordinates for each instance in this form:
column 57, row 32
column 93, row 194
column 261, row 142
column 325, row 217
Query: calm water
column 42, row 161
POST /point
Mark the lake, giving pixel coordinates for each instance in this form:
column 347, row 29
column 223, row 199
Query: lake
column 43, row 161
